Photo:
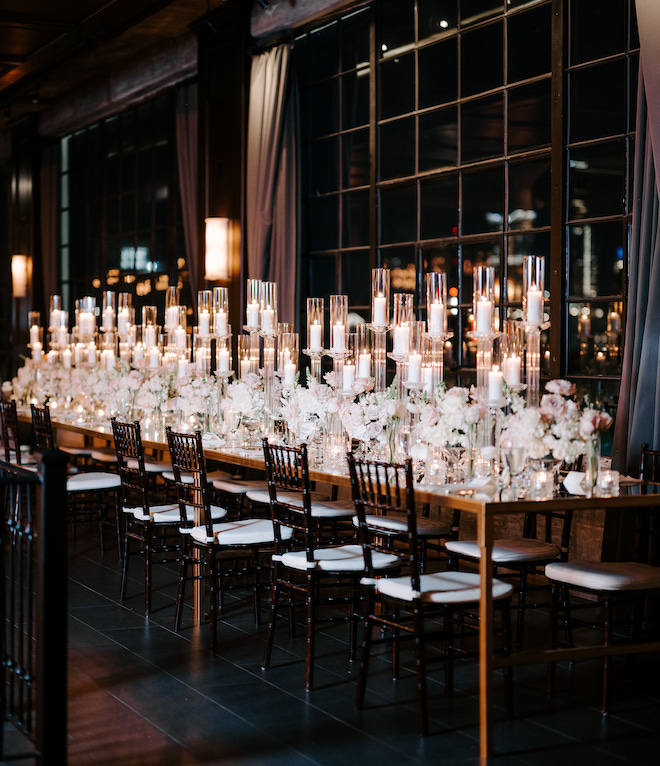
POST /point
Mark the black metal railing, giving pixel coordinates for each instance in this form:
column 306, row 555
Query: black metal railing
column 33, row 567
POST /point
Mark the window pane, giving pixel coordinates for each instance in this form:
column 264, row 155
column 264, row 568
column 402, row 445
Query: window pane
column 397, row 148
column 443, row 258
column 401, row 261
column 482, row 128
column 323, row 52
column 397, row 86
column 596, row 180
column 480, row 254
column 324, row 166
column 436, row 17
column 528, row 44
column 356, row 219
column 356, row 158
column 397, row 25
column 322, row 277
column 598, row 29
column 355, row 40
column 323, row 109
column 483, row 201
column 477, row 10
column 355, row 94
column 529, row 116
column 525, row 243
column 596, row 263
column 482, row 45
column 438, row 139
column 128, row 212
column 594, row 338
column 438, row 73
column 529, row 194
column 398, row 214
column 323, row 229
column 439, row 208
column 593, row 116
column 356, row 279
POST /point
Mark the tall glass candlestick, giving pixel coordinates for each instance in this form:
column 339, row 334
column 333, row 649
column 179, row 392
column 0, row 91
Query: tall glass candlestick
column 220, row 311
column 315, row 322
column 108, row 311
column 534, row 321
column 380, row 324
column 436, row 321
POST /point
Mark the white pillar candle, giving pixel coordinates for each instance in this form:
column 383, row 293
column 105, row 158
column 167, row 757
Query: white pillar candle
column 107, row 359
column 171, row 318
column 427, row 377
column 138, row 353
column 55, row 318
column 495, row 392
column 61, row 336
column 245, row 367
column 379, row 311
column 108, row 319
column 223, row 360
column 401, row 339
column 267, row 319
column 154, row 357
column 180, row 337
column 512, row 365
column 414, row 368
column 181, row 367
column 289, row 373
column 150, row 336
column 37, row 350
column 91, row 354
column 484, row 315
column 34, row 334
column 220, row 322
column 338, row 337
column 122, row 321
column 204, row 327
column 436, row 318
column 364, row 366
column 66, row 358
column 315, row 337
column 79, row 354
column 286, row 356
column 253, row 314
column 349, row 377
column 534, row 306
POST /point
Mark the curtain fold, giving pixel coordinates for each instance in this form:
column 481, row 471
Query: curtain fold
column 49, row 178
column 638, row 412
column 187, row 163
column 271, row 186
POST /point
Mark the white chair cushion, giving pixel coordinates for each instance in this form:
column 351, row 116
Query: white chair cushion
column 82, row 451
column 169, row 514
column 104, row 455
column 441, row 588
column 211, row 476
column 340, row 558
column 238, row 486
column 397, row 522
column 322, row 508
column 150, row 466
column 242, row 532
column 605, row 575
column 92, row 480
column 515, row 550
column 295, row 498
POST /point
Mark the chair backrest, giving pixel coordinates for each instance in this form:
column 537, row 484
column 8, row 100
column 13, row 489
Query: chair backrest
column 9, row 427
column 187, row 457
column 649, row 464
column 130, row 464
column 379, row 488
column 42, row 427
column 551, row 527
column 647, row 531
column 287, row 470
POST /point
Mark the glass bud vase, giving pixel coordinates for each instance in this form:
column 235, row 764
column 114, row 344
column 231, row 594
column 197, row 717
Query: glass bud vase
column 591, row 463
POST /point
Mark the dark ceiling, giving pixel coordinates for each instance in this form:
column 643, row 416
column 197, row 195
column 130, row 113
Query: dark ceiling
column 49, row 48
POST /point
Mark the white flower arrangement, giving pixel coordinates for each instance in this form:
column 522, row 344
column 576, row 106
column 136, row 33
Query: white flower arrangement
column 245, row 395
column 452, row 420
column 195, row 392
column 372, row 417
column 304, row 408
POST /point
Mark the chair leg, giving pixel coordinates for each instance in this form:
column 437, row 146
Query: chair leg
column 522, row 600
column 552, row 633
column 310, row 608
column 212, row 576
column 148, row 533
column 274, row 604
column 420, row 671
column 449, row 663
column 508, row 671
column 607, row 628
column 124, row 567
column 183, row 576
column 363, row 669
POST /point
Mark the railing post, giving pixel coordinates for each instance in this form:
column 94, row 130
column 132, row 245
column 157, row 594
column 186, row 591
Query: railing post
column 51, row 628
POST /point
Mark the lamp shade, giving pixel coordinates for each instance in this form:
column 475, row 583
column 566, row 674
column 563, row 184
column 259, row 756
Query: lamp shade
column 21, row 268
column 217, row 249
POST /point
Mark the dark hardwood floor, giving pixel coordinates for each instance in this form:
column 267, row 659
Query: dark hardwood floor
column 139, row 693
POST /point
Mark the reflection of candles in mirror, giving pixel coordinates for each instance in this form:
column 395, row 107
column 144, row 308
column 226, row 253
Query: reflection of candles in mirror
column 534, row 306
column 512, row 366
column 315, row 337
column 379, row 311
column 349, row 376
column 364, row 365
column 338, row 337
column 223, row 360
column 204, row 322
column 37, row 350
column 253, row 314
column 436, row 318
column 289, row 373
column 414, row 368
column 495, row 384
column 484, row 315
column 614, row 321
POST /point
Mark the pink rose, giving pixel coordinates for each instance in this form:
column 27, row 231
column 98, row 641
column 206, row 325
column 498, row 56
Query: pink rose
column 559, row 386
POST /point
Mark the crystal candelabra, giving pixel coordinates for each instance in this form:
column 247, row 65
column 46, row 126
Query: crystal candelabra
column 534, row 322
column 315, row 322
column 380, row 325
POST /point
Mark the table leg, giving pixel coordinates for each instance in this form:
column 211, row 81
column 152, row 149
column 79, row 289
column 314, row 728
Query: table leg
column 485, row 636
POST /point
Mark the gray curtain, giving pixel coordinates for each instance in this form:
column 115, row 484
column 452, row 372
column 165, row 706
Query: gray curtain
column 638, row 412
column 187, row 162
column 271, row 187
column 48, row 219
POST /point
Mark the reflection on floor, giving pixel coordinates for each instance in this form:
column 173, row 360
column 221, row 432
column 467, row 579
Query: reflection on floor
column 141, row 694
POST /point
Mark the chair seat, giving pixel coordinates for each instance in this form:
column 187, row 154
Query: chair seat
column 150, row 466
column 92, row 480
column 605, row 575
column 234, row 486
column 79, row 451
column 322, row 508
column 169, row 514
column 211, row 476
column 340, row 558
column 398, row 522
column 103, row 455
column 295, row 498
column 441, row 588
column 242, row 532
column 515, row 550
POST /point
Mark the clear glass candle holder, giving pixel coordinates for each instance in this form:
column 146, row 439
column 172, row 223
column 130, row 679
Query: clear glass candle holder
column 315, row 323
column 268, row 308
column 55, row 313
column 483, row 299
column 363, row 360
column 220, row 309
column 338, row 323
column 402, row 320
column 533, row 289
column 253, row 304
column 380, row 297
column 436, row 303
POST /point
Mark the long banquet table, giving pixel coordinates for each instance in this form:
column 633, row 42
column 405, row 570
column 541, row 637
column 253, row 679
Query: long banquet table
column 485, row 509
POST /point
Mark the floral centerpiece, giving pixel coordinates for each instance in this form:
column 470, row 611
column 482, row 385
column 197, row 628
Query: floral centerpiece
column 305, row 409
column 372, row 419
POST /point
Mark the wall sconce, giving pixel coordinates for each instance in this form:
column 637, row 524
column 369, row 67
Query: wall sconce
column 21, row 274
column 217, row 249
